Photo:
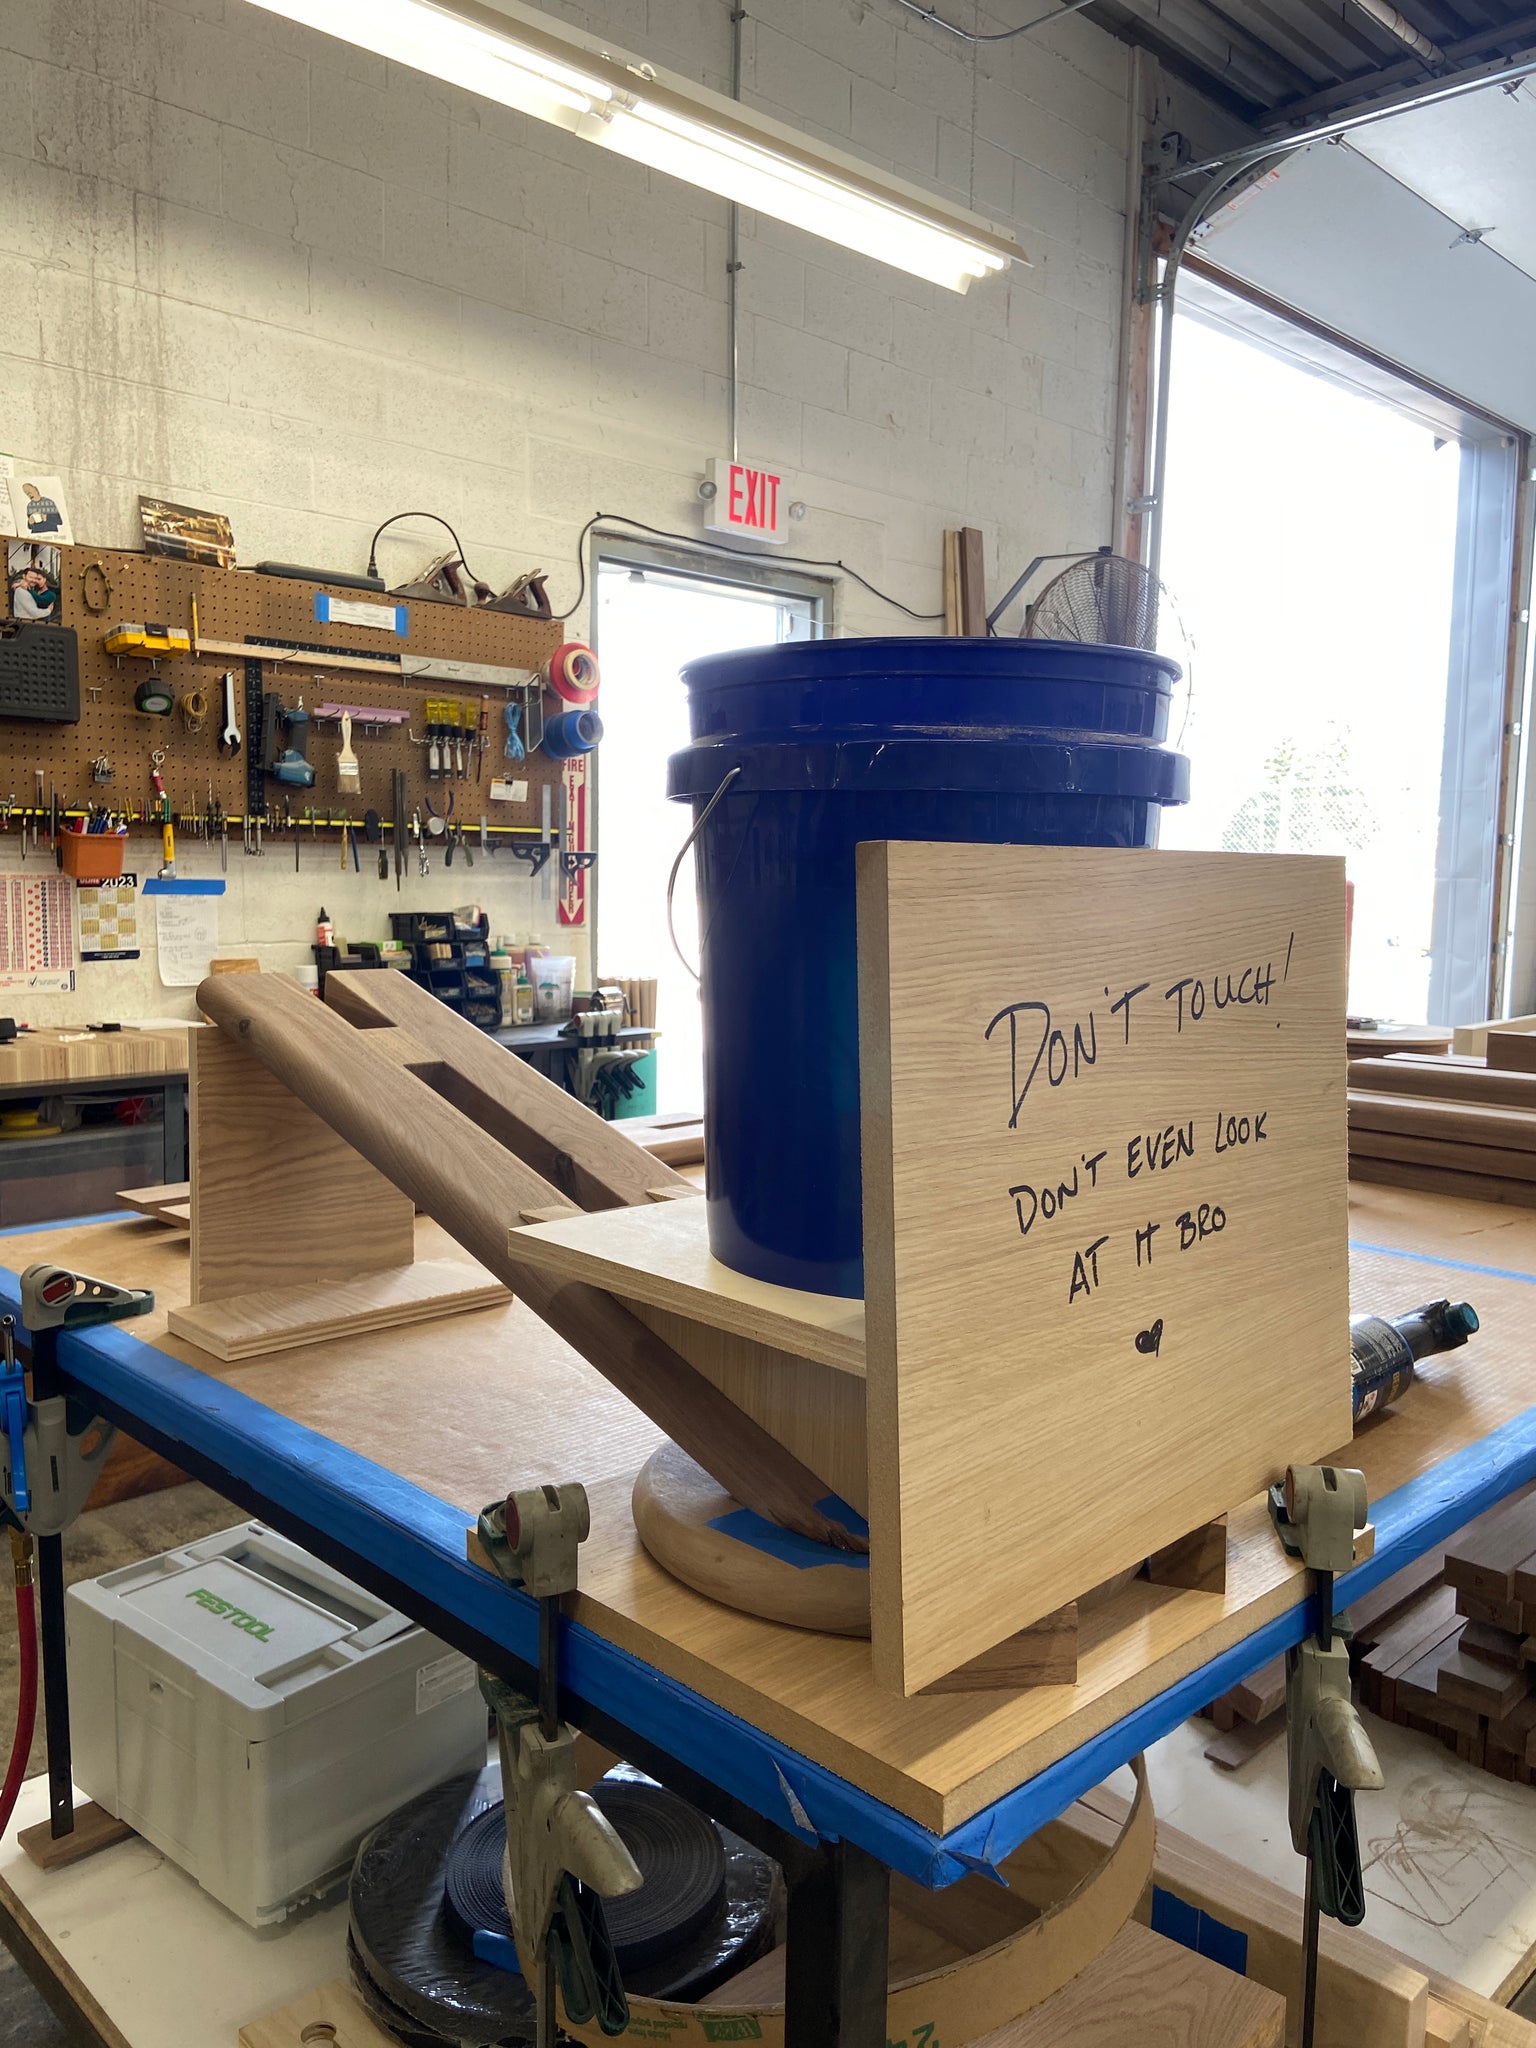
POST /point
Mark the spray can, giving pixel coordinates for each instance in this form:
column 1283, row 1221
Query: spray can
column 1383, row 1351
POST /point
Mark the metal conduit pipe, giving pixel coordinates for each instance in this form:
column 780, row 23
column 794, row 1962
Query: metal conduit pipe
column 1395, row 24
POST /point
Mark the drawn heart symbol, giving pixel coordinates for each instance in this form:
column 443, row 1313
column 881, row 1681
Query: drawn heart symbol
column 1150, row 1341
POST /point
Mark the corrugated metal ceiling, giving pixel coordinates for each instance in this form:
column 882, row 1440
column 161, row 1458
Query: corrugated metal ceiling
column 1273, row 61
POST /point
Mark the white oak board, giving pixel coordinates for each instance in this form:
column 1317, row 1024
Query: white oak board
column 1104, row 1215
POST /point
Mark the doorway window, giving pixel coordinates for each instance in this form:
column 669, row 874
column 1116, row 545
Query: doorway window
column 651, row 618
column 1322, row 547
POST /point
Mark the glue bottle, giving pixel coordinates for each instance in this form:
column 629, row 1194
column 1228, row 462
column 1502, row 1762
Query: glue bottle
column 325, row 931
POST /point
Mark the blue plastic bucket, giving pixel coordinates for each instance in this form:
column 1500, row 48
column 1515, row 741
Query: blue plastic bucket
column 1022, row 742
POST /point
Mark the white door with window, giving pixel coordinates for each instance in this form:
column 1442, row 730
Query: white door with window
column 650, row 621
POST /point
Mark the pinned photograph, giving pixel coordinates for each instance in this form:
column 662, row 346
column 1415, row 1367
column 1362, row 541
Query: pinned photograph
column 186, row 533
column 32, row 573
column 37, row 507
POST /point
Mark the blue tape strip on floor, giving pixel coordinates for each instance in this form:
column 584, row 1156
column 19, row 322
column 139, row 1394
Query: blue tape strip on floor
column 1391, row 1251
column 75, row 1222
column 419, row 1541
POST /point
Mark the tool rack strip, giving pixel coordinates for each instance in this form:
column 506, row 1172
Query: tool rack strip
column 103, row 588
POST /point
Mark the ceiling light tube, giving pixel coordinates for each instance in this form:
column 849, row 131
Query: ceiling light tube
column 511, row 54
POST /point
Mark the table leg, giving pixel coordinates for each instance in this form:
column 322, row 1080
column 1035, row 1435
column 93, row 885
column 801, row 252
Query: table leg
column 50, row 1604
column 174, row 1130
column 835, row 1963
column 46, row 1384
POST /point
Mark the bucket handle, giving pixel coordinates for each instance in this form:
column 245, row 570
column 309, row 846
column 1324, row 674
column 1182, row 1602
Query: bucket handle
column 698, row 826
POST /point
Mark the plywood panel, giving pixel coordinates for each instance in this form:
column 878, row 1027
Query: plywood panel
column 278, row 1199
column 285, row 1318
column 1076, row 1276
column 660, row 1255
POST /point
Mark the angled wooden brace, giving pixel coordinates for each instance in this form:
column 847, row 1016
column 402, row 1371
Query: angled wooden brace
column 443, row 1114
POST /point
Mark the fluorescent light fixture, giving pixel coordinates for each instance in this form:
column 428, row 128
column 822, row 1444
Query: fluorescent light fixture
column 525, row 60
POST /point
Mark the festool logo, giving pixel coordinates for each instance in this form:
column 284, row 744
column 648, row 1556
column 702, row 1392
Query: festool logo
column 235, row 1616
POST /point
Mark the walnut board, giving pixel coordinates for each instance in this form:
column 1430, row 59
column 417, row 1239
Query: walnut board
column 1059, row 1383
column 514, row 1406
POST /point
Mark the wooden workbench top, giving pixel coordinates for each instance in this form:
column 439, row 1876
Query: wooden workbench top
column 47, row 1058
column 477, row 1404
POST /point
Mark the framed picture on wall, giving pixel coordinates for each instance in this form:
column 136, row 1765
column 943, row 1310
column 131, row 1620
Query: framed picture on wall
column 187, row 533
column 32, row 577
column 38, row 510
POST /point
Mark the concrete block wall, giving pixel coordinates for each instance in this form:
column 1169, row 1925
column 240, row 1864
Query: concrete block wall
column 245, row 266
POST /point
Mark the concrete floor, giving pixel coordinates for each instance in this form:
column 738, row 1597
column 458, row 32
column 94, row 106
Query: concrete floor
column 100, row 1541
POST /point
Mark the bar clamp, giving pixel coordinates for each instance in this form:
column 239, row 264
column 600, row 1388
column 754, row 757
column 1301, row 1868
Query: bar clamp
column 1328, row 1752
column 563, row 1855
column 52, row 1448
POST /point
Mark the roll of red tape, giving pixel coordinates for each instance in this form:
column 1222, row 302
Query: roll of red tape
column 573, row 673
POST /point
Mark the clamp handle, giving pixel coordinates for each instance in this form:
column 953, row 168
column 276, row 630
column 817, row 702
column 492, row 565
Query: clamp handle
column 54, row 1298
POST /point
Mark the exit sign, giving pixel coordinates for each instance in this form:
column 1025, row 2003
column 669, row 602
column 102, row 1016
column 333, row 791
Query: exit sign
column 753, row 502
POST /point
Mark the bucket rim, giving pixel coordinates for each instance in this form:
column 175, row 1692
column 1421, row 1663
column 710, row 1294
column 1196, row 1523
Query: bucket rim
column 947, row 658
column 1045, row 765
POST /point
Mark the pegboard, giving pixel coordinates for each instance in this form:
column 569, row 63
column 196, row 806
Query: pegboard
column 240, row 606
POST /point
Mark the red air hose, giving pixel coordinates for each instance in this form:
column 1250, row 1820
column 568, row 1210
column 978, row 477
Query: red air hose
column 26, row 1712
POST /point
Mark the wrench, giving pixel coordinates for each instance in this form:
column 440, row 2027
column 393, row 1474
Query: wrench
column 229, row 737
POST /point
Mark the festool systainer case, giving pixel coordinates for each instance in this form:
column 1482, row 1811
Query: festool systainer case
column 253, row 1713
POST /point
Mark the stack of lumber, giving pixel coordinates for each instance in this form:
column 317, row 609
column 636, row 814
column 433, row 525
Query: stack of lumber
column 1455, row 1660
column 1457, row 1125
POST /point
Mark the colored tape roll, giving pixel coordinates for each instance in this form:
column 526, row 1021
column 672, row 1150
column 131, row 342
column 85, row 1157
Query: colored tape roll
column 573, row 673
column 571, row 732
column 155, row 698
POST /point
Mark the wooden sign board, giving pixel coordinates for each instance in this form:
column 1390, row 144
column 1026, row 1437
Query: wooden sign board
column 1104, row 1215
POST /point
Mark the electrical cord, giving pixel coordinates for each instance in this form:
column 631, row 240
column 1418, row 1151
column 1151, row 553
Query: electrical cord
column 394, row 518
column 26, row 1709
column 1004, row 35
column 692, row 540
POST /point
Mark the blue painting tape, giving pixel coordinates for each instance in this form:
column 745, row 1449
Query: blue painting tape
column 157, row 887
column 419, row 1541
column 1451, row 1265
column 1222, row 1944
column 745, row 1525
column 1174, row 1919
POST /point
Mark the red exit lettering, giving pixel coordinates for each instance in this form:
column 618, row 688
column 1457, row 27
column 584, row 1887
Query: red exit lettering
column 753, row 498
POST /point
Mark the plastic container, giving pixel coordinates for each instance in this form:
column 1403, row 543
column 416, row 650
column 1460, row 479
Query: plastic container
column 91, row 856
column 553, row 982
column 1024, row 742
column 501, row 966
